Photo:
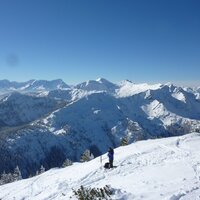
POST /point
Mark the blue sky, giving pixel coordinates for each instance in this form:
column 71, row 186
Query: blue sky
column 76, row 40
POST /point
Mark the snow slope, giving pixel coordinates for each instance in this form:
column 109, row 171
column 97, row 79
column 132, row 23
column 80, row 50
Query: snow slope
column 127, row 88
column 164, row 169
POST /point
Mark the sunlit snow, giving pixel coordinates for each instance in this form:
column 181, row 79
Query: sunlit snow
column 164, row 169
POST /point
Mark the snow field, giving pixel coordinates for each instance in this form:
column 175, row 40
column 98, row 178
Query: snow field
column 167, row 169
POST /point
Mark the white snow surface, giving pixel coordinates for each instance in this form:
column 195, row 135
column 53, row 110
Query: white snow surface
column 128, row 88
column 180, row 96
column 164, row 169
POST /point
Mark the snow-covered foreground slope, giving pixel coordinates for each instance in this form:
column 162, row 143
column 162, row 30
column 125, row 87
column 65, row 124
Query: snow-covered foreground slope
column 167, row 169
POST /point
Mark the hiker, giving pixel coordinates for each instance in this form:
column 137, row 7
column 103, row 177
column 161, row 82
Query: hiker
column 111, row 156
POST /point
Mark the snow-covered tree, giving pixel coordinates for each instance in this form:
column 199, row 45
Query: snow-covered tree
column 67, row 162
column 6, row 178
column 3, row 178
column 91, row 156
column 86, row 156
column 42, row 169
column 17, row 174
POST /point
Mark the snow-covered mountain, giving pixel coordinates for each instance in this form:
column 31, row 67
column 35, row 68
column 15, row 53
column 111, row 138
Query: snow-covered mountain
column 100, row 84
column 94, row 115
column 194, row 90
column 17, row 109
column 31, row 85
column 164, row 169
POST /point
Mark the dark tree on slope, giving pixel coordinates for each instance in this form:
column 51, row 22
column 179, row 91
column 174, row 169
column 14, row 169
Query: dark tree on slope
column 124, row 141
column 197, row 130
column 84, row 193
column 86, row 156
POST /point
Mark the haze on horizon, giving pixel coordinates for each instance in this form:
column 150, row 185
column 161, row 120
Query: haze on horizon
column 143, row 41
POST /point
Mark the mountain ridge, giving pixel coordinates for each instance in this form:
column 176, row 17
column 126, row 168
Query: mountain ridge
column 32, row 85
column 65, row 122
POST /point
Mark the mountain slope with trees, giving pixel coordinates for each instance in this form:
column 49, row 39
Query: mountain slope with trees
column 50, row 126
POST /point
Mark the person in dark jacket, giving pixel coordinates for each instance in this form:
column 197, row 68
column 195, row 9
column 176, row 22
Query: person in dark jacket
column 111, row 156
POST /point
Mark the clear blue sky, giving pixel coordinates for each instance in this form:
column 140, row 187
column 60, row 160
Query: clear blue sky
column 76, row 40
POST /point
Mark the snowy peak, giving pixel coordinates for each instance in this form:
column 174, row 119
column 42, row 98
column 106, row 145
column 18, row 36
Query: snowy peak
column 13, row 85
column 123, row 89
column 105, row 82
column 178, row 94
column 48, row 85
column 100, row 84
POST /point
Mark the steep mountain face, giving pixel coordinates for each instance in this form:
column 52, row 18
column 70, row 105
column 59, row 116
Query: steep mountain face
column 194, row 90
column 17, row 109
column 50, row 126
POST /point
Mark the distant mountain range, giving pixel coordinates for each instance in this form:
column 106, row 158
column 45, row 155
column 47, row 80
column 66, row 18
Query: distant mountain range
column 45, row 122
column 32, row 85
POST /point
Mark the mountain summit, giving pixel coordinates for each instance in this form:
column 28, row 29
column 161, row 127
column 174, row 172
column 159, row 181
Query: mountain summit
column 100, row 84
